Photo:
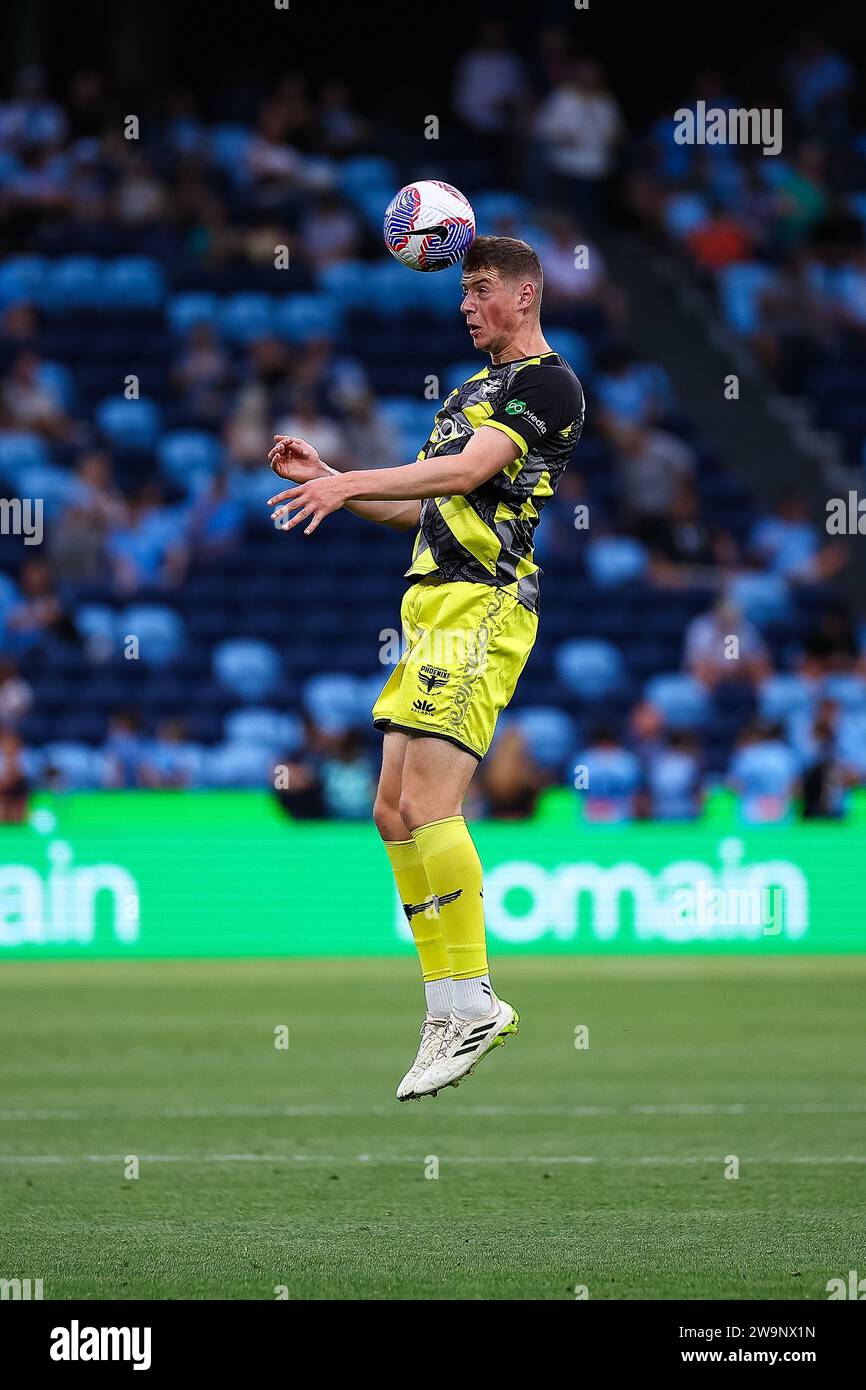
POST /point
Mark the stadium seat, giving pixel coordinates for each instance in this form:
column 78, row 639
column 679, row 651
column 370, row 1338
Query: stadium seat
column 264, row 728
column 846, row 689
column 300, row 317
column 614, row 560
column 740, row 290
column 187, row 455
column 238, row 765
column 782, row 695
column 133, row 283
column 190, row 308
column 251, row 669
column 683, row 701
column 551, row 734
column 335, row 701
column 589, row 668
column 20, row 451
column 80, row 766
column 129, row 425
column 72, row 283
column 160, row 632
column 246, row 316
column 762, row 598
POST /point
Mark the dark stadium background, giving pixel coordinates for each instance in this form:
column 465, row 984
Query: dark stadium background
column 149, row 826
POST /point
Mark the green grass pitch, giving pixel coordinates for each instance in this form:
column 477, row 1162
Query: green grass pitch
column 265, row 1168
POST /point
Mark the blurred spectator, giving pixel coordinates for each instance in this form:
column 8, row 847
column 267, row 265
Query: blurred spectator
column 39, row 613
column 512, row 780
column 168, row 760
column 203, row 375
column 16, row 696
column 830, row 644
column 826, row 778
column 329, row 231
column 580, row 126
column 575, row 272
column 148, row 548
column 764, row 773
column 721, row 239
column 490, row 83
column 369, row 438
column 651, row 467
column 216, row 520
column 820, row 83
column 348, row 776
column 342, row 129
column 125, row 748
column 788, row 543
column 28, row 402
column 683, row 550
column 612, row 778
column 322, row 431
column 673, row 780
column 14, row 785
column 723, row 646
column 631, row 391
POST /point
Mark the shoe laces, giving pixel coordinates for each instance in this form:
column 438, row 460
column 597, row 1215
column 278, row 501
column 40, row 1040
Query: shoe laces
column 452, row 1029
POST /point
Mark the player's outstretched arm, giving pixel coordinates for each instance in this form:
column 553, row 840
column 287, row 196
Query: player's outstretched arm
column 298, row 462
column 488, row 452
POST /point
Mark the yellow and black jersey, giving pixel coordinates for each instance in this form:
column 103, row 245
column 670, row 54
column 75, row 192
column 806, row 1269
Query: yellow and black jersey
column 486, row 536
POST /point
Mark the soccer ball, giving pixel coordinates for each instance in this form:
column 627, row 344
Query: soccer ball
column 429, row 225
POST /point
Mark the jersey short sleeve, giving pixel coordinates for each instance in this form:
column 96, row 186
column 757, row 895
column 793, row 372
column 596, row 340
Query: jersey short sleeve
column 542, row 401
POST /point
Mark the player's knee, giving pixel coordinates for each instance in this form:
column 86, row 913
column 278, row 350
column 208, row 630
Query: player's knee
column 386, row 818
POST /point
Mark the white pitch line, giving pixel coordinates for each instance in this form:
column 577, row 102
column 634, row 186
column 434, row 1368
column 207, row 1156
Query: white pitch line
column 335, row 1159
column 338, row 1111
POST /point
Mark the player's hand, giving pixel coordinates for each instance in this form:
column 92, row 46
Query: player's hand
column 315, row 499
column 295, row 460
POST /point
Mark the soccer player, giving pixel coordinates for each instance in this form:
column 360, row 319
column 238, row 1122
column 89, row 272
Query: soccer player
column 499, row 445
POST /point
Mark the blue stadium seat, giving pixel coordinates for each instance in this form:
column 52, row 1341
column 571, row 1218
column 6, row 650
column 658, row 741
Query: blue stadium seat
column 238, row 765
column 229, row 143
column 250, row 668
column 573, row 347
column 133, row 283
column 22, row 277
column 347, row 283
column 300, row 317
column 550, row 733
column 846, row 689
column 129, row 426
column 614, row 560
column 762, row 598
column 246, row 316
column 683, row 701
column 264, row 728
column 73, row 283
column 589, row 668
column 80, row 766
column 186, row 455
column 191, row 307
column 740, row 290
column 335, row 701
column 20, row 451
column 782, row 695
column 160, row 632
column 364, row 171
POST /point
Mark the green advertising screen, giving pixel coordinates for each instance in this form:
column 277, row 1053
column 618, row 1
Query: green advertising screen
column 227, row 874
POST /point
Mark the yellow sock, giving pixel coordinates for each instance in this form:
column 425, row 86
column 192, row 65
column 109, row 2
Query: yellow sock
column 415, row 894
column 453, row 871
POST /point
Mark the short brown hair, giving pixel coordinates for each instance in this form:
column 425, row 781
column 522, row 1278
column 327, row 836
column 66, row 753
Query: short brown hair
column 515, row 260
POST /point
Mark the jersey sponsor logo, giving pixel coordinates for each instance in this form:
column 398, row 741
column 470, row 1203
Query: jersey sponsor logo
column 447, row 429
column 515, row 407
column 432, row 678
column 423, row 707
column 536, row 422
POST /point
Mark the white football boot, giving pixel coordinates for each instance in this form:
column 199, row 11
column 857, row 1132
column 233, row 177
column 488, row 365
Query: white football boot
column 463, row 1044
column 432, row 1033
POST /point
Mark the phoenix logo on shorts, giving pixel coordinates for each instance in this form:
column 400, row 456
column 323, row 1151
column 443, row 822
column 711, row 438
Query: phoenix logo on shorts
column 423, row 707
column 475, row 661
column 432, row 678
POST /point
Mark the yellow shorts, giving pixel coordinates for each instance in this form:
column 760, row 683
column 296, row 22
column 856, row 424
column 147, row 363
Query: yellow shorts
column 464, row 647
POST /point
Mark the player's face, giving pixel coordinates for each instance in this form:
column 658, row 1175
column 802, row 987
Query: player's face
column 490, row 307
